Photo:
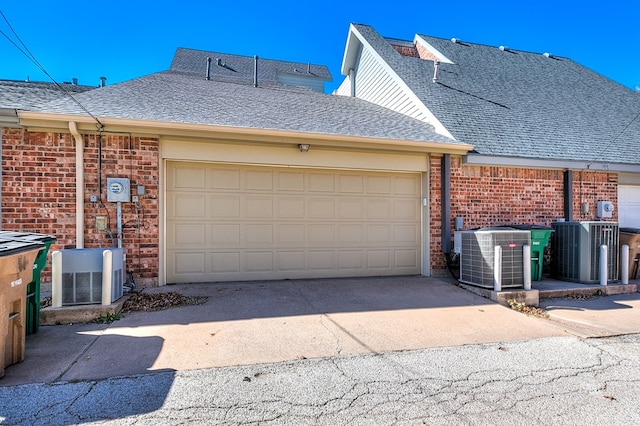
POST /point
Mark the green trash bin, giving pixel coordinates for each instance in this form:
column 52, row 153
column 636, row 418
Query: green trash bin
column 33, row 288
column 540, row 236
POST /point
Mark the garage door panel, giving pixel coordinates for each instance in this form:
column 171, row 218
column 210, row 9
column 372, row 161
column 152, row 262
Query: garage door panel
column 379, row 259
column 188, row 177
column 258, row 207
column 406, row 234
column 380, row 233
column 258, row 261
column 319, row 260
column 290, row 181
column 291, row 260
column 225, row 262
column 406, row 210
column 258, row 234
column 247, row 223
column 228, row 179
column 189, row 235
column 224, row 206
column 189, row 263
column 352, row 233
column 350, row 184
column 321, row 182
column 350, row 209
column 259, row 180
column 225, row 234
column 351, row 259
column 290, row 208
column 379, row 209
column 406, row 186
column 321, row 234
column 321, row 208
column 379, row 185
column 406, row 259
column 291, row 234
column 187, row 205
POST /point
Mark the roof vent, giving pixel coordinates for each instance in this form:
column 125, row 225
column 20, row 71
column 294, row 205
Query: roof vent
column 547, row 55
column 103, row 81
column 208, row 74
column 255, row 71
column 504, row 48
column 436, row 66
column 455, row 40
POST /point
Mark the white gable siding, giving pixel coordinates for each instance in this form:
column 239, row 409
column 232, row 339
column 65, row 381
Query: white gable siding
column 345, row 88
column 375, row 84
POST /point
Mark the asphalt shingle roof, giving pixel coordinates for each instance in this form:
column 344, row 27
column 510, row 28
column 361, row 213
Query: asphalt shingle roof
column 242, row 67
column 29, row 94
column 520, row 104
column 172, row 96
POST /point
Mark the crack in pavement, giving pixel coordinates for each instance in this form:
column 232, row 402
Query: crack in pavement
column 564, row 380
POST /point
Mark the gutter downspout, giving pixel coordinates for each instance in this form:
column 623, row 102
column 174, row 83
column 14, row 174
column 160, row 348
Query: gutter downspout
column 567, row 191
column 445, row 202
column 79, row 184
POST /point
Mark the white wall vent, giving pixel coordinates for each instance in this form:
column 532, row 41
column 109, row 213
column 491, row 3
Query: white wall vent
column 576, row 248
column 478, row 252
column 87, row 276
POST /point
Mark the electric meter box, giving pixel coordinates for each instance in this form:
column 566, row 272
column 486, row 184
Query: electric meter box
column 118, row 190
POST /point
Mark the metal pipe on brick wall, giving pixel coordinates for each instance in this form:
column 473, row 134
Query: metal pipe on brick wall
column 73, row 128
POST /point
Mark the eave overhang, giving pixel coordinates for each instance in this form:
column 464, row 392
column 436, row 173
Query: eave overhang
column 38, row 121
column 492, row 160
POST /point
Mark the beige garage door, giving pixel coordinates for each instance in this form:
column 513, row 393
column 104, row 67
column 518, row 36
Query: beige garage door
column 229, row 223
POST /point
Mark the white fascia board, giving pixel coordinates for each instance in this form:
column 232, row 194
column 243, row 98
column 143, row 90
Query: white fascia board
column 488, row 160
column 351, row 51
column 435, row 52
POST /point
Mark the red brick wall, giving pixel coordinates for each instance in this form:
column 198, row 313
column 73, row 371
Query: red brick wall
column 406, row 50
column 486, row 196
column 423, row 53
column 38, row 193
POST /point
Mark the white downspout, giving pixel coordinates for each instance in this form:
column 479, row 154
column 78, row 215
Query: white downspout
column 79, row 184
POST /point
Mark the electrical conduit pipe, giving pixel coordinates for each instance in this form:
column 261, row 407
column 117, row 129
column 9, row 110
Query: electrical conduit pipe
column 73, row 128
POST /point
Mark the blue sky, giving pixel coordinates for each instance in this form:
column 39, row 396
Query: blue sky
column 123, row 40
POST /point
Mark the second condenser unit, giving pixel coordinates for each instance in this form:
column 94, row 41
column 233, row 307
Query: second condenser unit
column 576, row 248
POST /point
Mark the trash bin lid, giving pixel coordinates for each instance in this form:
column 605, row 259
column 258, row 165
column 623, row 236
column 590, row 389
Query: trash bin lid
column 527, row 226
column 630, row 230
column 10, row 247
column 28, row 236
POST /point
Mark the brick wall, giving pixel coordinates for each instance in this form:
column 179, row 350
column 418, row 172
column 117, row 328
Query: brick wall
column 406, row 50
column 486, row 196
column 38, row 193
column 424, row 53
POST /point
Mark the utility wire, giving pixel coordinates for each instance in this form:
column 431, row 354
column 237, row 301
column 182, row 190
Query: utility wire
column 614, row 139
column 27, row 53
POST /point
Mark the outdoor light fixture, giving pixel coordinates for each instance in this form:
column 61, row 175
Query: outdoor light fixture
column 303, row 147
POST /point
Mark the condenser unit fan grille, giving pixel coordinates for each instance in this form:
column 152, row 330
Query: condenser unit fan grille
column 477, row 257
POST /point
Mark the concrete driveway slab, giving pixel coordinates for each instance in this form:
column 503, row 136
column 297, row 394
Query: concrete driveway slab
column 598, row 316
column 263, row 322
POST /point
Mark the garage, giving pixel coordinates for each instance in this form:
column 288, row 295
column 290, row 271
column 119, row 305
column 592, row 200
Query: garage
column 629, row 206
column 228, row 222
